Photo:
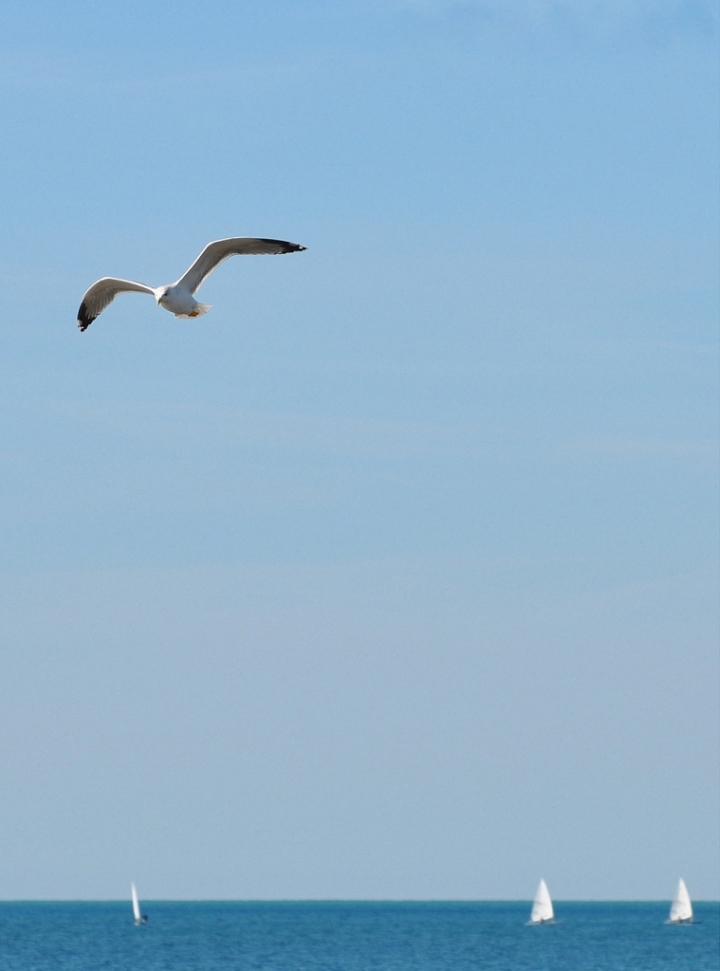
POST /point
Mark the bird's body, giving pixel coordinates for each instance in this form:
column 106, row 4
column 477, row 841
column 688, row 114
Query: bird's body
column 179, row 301
column 178, row 297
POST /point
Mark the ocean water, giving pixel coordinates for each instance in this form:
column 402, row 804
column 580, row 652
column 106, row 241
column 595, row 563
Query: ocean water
column 354, row 936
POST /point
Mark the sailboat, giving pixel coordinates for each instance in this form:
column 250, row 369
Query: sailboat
column 542, row 909
column 140, row 918
column 681, row 911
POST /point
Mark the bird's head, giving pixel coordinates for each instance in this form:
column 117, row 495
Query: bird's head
column 161, row 293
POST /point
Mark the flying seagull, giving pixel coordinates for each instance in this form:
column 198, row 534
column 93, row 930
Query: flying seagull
column 178, row 297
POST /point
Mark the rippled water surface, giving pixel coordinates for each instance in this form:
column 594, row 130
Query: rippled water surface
column 330, row 936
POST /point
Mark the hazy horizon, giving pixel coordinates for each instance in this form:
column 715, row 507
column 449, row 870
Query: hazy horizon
column 125, row 901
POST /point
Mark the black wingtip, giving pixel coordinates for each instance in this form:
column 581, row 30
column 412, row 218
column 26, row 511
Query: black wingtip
column 286, row 247
column 83, row 318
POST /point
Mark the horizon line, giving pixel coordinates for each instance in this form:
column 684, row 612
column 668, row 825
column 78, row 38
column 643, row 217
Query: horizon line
column 346, row 900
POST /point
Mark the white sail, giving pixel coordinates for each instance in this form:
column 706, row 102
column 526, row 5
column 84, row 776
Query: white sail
column 136, row 904
column 542, row 909
column 681, row 907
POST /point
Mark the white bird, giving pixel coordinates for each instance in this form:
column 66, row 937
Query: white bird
column 178, row 297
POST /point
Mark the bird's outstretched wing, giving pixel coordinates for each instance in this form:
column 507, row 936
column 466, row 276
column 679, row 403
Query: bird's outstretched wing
column 218, row 251
column 101, row 294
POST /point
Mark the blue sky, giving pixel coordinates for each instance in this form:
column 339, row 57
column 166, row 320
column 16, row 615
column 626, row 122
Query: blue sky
column 395, row 575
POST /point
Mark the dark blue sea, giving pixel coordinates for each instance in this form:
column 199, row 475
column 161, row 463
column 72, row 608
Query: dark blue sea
column 354, row 936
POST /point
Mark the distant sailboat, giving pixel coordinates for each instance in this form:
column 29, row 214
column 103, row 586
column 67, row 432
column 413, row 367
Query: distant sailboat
column 681, row 911
column 140, row 918
column 542, row 910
